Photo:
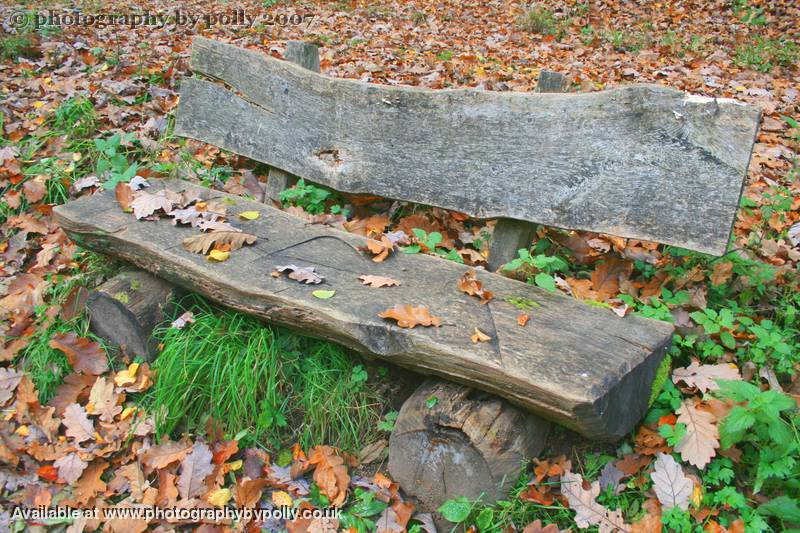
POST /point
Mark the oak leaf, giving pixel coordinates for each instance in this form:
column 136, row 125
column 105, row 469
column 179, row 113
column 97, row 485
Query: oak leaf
column 607, row 276
column 90, row 483
column 378, row 281
column 166, row 453
column 78, row 425
column 70, row 467
column 88, row 181
column 704, row 376
column 248, row 492
column 701, row 439
column 124, row 196
column 83, row 354
column 195, row 467
column 103, row 401
column 34, row 189
column 721, row 273
column 145, row 204
column 9, row 379
column 479, row 336
column 201, row 244
column 330, row 473
column 408, row 316
column 380, row 248
column 588, row 512
column 469, row 283
column 672, row 487
column 307, row 275
column 536, row 527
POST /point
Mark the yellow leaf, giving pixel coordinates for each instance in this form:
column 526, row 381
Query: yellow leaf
column 38, row 104
column 219, row 497
column 282, row 499
column 127, row 376
column 22, row 431
column 218, row 255
column 697, row 496
column 76, row 156
column 234, row 465
column 249, row 215
column 128, row 411
column 740, row 88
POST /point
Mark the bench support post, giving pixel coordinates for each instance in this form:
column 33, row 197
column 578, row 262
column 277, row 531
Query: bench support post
column 307, row 56
column 511, row 235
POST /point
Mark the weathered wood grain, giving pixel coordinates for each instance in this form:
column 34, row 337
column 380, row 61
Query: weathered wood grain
column 640, row 161
column 575, row 364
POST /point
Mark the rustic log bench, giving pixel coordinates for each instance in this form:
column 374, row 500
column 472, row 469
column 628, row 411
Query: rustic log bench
column 644, row 162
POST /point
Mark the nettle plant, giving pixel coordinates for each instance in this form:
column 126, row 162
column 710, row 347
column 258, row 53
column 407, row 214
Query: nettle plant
column 311, row 198
column 429, row 242
column 538, row 267
column 112, row 161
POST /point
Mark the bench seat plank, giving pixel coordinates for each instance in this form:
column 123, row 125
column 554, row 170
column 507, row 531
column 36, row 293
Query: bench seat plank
column 640, row 161
column 575, row 364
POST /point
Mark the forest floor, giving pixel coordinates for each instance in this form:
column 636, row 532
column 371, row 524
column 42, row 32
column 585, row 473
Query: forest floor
column 236, row 414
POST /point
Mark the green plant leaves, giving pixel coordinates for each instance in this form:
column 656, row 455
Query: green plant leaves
column 456, row 510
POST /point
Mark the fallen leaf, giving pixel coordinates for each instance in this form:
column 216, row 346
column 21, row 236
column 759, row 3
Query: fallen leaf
column 536, row 527
column 90, row 484
column 701, row 440
column 180, row 322
column 34, row 189
column 218, row 255
column 372, row 452
column 248, row 492
column 379, row 248
column 721, row 273
column 249, row 215
column 704, row 377
column 103, row 401
column 166, row 453
column 378, row 281
column 479, row 336
column 74, row 304
column 9, row 379
column 610, row 476
column 219, row 497
column 330, row 473
column 607, row 276
column 78, row 425
column 124, row 196
column 70, row 467
column 201, row 244
column 469, row 283
column 587, row 511
column 523, row 318
column 83, row 354
column 323, row 295
column 145, row 204
column 672, row 487
column 305, row 275
column 195, row 467
column 282, row 499
column 86, row 182
column 409, row 317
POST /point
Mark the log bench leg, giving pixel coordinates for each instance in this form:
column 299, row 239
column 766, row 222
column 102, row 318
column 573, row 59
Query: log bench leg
column 450, row 440
column 125, row 309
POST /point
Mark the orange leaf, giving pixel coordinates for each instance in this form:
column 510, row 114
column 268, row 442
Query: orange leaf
column 522, row 319
column 409, row 317
column 469, row 284
column 479, row 336
column 330, row 473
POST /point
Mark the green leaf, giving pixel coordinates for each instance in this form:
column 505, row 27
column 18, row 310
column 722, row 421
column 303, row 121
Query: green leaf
column 431, row 402
column 783, row 507
column 738, row 391
column 545, row 281
column 484, row 519
column 456, row 510
column 322, row 294
column 727, row 340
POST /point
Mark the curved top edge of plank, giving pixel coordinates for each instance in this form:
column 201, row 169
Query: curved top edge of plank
column 640, row 161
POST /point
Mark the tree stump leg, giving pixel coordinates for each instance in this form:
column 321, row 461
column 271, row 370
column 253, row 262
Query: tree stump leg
column 450, row 440
column 125, row 309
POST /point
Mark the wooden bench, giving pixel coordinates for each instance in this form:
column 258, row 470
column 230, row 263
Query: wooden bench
column 644, row 161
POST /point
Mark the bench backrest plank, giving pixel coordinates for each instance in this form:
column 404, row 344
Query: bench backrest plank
column 642, row 161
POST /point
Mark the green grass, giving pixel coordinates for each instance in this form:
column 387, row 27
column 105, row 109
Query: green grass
column 538, row 19
column 278, row 386
column 763, row 53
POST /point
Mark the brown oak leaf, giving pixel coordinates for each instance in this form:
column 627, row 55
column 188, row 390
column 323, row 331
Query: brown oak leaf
column 607, row 276
column 70, row 467
column 307, row 275
column 145, row 204
column 195, row 467
column 537, row 527
column 378, row 281
column 78, row 425
column 380, row 248
column 103, row 401
column 588, row 511
column 701, row 439
column 408, row 316
column 83, row 354
column 124, row 196
column 469, row 283
column 479, row 336
column 330, row 473
column 201, row 244
column 166, row 453
column 704, row 376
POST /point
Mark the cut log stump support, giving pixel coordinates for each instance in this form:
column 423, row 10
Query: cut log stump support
column 467, row 443
column 307, row 56
column 450, row 440
column 510, row 235
column 125, row 309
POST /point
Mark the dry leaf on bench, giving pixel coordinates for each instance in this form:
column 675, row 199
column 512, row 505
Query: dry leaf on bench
column 409, row 317
column 672, row 487
column 701, row 440
column 84, row 355
column 703, row 376
column 201, row 244
column 124, row 196
column 305, row 275
column 587, row 511
column 379, row 248
column 479, row 336
column 145, row 204
column 470, row 284
column 378, row 281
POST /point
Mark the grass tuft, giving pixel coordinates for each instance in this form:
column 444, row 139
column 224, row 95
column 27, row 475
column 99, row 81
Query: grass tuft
column 277, row 385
